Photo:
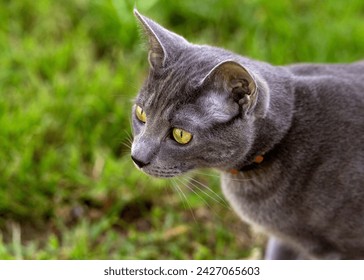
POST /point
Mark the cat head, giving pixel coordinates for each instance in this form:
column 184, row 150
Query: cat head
column 197, row 107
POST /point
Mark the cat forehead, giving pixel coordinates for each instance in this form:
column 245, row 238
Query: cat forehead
column 184, row 74
column 179, row 84
column 208, row 109
column 166, row 92
column 204, row 110
column 193, row 63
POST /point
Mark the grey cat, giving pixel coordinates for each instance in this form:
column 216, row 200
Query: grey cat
column 288, row 140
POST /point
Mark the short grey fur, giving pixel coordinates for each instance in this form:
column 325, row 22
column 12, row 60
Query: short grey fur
column 308, row 194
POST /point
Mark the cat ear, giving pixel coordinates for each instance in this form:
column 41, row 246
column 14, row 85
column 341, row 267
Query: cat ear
column 235, row 78
column 162, row 43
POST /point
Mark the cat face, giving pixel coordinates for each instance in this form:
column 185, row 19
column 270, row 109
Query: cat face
column 196, row 108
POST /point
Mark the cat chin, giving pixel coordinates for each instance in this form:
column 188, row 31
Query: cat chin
column 162, row 175
column 162, row 172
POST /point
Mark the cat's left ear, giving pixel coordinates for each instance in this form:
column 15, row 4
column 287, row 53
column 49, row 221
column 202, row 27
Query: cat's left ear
column 163, row 44
column 237, row 80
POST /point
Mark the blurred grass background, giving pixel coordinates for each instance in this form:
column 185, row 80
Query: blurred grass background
column 68, row 72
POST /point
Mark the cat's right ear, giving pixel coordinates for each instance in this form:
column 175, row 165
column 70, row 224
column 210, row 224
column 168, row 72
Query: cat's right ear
column 162, row 42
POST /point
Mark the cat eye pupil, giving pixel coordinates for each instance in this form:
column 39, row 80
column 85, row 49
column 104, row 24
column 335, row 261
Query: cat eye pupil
column 181, row 136
column 140, row 114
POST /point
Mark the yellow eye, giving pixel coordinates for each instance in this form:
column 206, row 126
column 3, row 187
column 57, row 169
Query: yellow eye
column 181, row 136
column 139, row 112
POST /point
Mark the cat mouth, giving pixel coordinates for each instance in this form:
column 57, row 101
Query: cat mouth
column 163, row 173
column 159, row 172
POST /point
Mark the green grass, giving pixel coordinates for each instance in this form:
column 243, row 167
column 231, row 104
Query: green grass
column 69, row 70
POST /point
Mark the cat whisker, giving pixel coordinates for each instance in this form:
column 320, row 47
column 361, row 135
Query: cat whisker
column 178, row 190
column 192, row 190
column 183, row 197
column 215, row 197
column 204, row 200
column 206, row 174
column 125, row 144
column 128, row 141
column 128, row 134
column 132, row 85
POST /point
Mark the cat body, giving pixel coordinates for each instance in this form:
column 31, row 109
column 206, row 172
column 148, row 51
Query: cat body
column 312, row 196
column 305, row 122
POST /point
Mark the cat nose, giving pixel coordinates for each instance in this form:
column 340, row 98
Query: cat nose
column 139, row 163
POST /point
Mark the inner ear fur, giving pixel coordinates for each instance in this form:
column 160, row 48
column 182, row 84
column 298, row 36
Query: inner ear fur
column 236, row 77
column 237, row 80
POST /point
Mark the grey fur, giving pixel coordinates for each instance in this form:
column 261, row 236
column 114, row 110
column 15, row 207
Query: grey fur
column 309, row 119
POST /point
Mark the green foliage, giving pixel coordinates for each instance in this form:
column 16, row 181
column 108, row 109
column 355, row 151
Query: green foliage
column 69, row 71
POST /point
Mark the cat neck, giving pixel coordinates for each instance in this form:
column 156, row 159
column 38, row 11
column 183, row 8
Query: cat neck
column 256, row 163
column 274, row 126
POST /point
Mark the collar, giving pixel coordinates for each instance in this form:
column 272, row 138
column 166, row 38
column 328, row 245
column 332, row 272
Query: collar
column 255, row 164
